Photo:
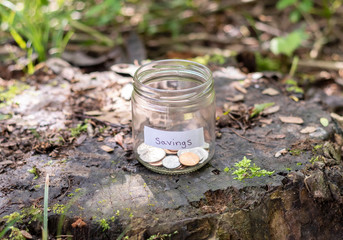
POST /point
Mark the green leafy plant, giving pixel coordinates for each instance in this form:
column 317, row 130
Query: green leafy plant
column 289, row 43
column 293, row 87
column 162, row 236
column 75, row 132
column 45, row 212
column 37, row 26
column 34, row 170
column 7, row 95
column 299, row 8
column 258, row 108
column 244, row 169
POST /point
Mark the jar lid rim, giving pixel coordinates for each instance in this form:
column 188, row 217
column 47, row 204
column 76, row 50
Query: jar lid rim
column 206, row 70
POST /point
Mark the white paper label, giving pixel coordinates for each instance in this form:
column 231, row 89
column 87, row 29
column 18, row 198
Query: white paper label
column 174, row 140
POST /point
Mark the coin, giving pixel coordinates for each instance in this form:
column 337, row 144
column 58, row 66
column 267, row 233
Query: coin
column 189, row 159
column 156, row 164
column 202, row 153
column 171, row 162
column 168, row 151
column 142, row 148
column 206, row 145
column 152, row 154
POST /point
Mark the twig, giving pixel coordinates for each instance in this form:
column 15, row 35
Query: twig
column 321, row 64
column 249, row 140
column 100, row 121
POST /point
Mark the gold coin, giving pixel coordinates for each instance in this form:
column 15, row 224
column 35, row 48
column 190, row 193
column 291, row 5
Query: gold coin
column 168, row 151
column 189, row 159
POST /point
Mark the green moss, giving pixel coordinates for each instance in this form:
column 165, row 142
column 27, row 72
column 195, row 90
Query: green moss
column 7, row 95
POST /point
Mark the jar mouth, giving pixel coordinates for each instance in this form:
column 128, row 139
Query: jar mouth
column 172, row 68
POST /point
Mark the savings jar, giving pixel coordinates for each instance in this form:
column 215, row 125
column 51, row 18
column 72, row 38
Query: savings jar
column 173, row 116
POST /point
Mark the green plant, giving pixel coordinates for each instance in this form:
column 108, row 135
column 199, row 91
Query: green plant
column 162, row 236
column 289, row 43
column 45, row 212
column 244, row 169
column 37, row 26
column 295, row 152
column 258, row 108
column 6, row 95
column 34, row 170
column 103, row 224
column 293, row 87
column 75, row 132
column 299, row 8
column 266, row 63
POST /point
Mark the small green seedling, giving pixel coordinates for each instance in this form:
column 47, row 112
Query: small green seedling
column 258, row 108
column 34, row 170
column 75, row 132
column 244, row 169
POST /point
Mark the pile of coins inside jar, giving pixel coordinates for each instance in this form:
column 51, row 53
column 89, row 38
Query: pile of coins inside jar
column 173, row 159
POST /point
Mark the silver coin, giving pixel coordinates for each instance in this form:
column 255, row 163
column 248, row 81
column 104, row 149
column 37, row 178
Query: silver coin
column 152, row 154
column 171, row 162
column 206, row 145
column 142, row 148
column 204, row 155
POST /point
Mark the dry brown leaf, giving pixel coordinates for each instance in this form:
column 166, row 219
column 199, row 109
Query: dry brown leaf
column 270, row 92
column 26, row 234
column 271, row 110
column 78, row 223
column 239, row 88
column 236, row 98
column 295, row 120
column 278, row 136
column 308, row 130
column 94, row 113
column 281, row 152
column 266, row 121
column 119, row 139
column 107, row 148
column 6, row 162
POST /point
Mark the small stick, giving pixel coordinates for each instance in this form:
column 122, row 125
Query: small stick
column 249, row 140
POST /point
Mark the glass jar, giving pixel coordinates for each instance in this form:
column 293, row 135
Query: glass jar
column 173, row 116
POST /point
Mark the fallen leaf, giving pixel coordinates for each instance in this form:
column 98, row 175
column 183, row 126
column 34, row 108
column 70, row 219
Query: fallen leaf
column 78, row 223
column 324, row 122
column 26, row 234
column 278, row 136
column 271, row 110
column 258, row 108
column 308, row 130
column 6, row 162
column 236, row 98
column 119, row 139
column 81, row 139
column 295, row 120
column 270, row 92
column 337, row 117
column 107, row 148
column 94, row 113
column 266, row 121
column 281, row 152
column 294, row 98
column 239, row 88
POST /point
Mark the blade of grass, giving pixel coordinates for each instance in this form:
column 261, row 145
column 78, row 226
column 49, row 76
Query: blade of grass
column 46, row 199
column 8, row 227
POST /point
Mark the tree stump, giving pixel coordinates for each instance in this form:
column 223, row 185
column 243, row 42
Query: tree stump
column 111, row 196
